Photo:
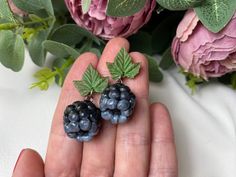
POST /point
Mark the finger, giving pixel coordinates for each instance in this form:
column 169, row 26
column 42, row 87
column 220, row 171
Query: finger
column 163, row 156
column 29, row 164
column 133, row 137
column 64, row 154
column 98, row 155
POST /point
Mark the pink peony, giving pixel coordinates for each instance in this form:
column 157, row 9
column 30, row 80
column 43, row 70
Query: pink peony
column 201, row 52
column 96, row 20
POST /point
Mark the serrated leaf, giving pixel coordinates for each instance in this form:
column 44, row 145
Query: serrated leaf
column 91, row 82
column 85, row 5
column 123, row 66
column 122, row 8
column 5, row 12
column 179, row 4
column 12, row 50
column 60, row 49
column 155, row 75
column 215, row 14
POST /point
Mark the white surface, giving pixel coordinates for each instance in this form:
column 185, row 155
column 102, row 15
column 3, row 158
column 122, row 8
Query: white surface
column 204, row 124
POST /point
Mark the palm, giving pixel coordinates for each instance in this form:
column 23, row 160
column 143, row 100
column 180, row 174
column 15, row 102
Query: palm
column 142, row 147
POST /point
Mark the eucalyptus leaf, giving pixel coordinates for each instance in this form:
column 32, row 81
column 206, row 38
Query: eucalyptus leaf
column 91, row 82
column 123, row 66
column 60, row 49
column 179, row 4
column 32, row 6
column 36, row 50
column 85, row 5
column 215, row 14
column 12, row 50
column 167, row 60
column 72, row 34
column 155, row 75
column 5, row 12
column 122, row 8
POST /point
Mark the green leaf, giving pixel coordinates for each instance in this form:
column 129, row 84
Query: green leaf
column 233, row 81
column 60, row 49
column 36, row 50
column 12, row 50
column 179, row 4
column 123, row 66
column 155, row 75
column 32, row 6
column 72, row 34
column 85, row 5
column 5, row 12
column 91, row 82
column 45, row 77
column 143, row 38
column 215, row 14
column 122, row 8
column 167, row 59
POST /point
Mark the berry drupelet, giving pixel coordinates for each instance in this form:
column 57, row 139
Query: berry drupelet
column 117, row 103
column 82, row 120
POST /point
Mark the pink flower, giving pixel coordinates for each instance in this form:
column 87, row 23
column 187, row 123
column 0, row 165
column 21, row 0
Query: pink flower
column 96, row 20
column 15, row 9
column 201, row 52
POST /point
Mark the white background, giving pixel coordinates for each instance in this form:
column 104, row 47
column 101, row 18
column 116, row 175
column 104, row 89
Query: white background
column 204, row 124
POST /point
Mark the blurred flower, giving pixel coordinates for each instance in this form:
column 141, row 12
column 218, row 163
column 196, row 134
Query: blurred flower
column 15, row 9
column 96, row 20
column 201, row 52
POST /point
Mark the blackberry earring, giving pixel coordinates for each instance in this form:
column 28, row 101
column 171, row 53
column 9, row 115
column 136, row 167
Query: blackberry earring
column 82, row 119
column 118, row 101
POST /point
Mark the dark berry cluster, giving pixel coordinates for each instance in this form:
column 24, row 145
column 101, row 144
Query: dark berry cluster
column 117, row 103
column 82, row 120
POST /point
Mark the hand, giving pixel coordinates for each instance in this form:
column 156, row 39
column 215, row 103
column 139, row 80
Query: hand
column 142, row 147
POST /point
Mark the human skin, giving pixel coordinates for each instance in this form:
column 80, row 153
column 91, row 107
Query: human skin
column 142, row 147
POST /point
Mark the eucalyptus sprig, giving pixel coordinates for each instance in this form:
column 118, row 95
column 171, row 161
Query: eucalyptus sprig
column 47, row 76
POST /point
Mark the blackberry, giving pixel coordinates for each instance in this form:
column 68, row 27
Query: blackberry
column 82, row 120
column 117, row 103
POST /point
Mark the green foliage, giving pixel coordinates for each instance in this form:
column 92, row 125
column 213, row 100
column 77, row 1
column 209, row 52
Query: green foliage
column 143, row 38
column 215, row 14
column 91, row 82
column 85, row 5
column 192, row 81
column 60, row 50
column 12, row 50
column 122, row 8
column 46, row 76
column 233, row 81
column 5, row 12
column 72, row 34
column 167, row 59
column 179, row 4
column 34, row 6
column 155, row 75
column 123, row 66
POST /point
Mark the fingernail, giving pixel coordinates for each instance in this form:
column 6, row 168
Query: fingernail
column 18, row 159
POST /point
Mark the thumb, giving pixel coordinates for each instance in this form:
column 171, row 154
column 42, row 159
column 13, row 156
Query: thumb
column 29, row 164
